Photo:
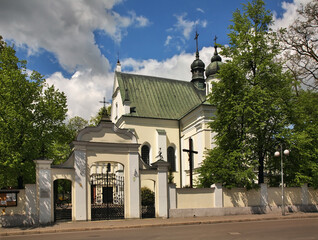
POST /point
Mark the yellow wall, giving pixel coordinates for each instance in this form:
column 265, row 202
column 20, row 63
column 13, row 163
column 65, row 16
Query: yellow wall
column 148, row 184
column 274, row 196
column 292, row 196
column 60, row 173
column 146, row 133
column 240, row 197
column 94, row 157
column 312, row 196
column 195, row 198
column 107, row 135
column 148, row 179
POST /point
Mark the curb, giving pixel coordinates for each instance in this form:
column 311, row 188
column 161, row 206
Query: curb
column 81, row 229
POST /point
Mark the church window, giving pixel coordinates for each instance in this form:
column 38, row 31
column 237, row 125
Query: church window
column 171, row 158
column 145, row 153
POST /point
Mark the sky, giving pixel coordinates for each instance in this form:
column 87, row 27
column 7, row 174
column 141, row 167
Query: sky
column 75, row 44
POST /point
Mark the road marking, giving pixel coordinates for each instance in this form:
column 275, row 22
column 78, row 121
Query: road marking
column 234, row 233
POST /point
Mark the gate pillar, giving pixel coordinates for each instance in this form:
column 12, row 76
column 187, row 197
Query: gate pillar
column 133, row 210
column 44, row 191
column 80, row 186
column 162, row 188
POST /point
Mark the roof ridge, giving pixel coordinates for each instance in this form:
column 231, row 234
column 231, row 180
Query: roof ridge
column 159, row 78
column 157, row 97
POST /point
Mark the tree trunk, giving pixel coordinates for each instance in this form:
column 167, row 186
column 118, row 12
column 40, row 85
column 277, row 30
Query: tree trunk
column 261, row 170
column 20, row 182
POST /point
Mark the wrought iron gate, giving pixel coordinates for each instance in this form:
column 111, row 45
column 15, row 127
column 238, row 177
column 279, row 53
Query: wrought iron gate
column 107, row 196
column 148, row 211
column 62, row 204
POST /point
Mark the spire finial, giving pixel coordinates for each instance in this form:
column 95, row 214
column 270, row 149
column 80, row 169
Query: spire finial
column 215, row 46
column 105, row 115
column 118, row 66
column 104, row 102
column 196, row 39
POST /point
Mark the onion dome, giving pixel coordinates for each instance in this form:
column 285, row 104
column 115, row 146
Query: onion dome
column 197, row 63
column 197, row 68
column 215, row 65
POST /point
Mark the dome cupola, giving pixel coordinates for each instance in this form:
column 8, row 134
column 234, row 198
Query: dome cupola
column 216, row 63
column 197, row 68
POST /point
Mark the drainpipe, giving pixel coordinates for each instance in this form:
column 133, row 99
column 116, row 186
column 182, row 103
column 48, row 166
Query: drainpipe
column 180, row 153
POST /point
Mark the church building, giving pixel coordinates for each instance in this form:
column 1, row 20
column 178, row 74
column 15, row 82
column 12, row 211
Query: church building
column 168, row 117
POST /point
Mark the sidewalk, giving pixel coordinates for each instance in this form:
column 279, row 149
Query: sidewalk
column 141, row 223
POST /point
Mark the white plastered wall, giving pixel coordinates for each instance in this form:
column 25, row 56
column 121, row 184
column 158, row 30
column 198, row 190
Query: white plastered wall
column 195, row 126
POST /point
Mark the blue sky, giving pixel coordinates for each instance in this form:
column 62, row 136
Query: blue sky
column 76, row 43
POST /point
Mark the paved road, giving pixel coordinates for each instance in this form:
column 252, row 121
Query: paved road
column 293, row 229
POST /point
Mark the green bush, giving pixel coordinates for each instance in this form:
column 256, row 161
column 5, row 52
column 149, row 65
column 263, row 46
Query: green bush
column 147, row 197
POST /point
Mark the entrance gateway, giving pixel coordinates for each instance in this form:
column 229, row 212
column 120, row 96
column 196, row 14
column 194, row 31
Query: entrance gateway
column 106, row 173
column 107, row 193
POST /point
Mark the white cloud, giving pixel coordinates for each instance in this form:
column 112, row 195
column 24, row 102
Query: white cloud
column 168, row 39
column 290, row 14
column 182, row 30
column 200, row 10
column 184, row 25
column 65, row 28
column 139, row 21
column 142, row 21
column 176, row 67
column 84, row 90
column 204, row 23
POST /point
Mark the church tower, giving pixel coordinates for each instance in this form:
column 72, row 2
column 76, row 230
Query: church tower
column 213, row 68
column 197, row 68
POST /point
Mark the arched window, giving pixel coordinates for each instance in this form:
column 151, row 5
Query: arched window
column 145, row 153
column 171, row 158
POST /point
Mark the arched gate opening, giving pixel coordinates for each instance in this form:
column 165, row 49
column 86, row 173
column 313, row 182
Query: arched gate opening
column 147, row 192
column 107, row 191
column 62, row 200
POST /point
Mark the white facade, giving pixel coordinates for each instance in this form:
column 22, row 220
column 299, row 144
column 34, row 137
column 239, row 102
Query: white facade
column 160, row 134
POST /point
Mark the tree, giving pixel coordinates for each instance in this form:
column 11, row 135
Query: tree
column 147, row 197
column 76, row 124
column 252, row 100
column 302, row 164
column 94, row 121
column 60, row 149
column 300, row 41
column 300, row 44
column 32, row 116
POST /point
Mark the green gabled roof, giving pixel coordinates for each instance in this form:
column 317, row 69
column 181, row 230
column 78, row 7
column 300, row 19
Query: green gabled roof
column 155, row 97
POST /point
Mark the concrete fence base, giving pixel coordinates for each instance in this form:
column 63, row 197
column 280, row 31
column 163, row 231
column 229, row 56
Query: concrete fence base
column 18, row 220
column 210, row 212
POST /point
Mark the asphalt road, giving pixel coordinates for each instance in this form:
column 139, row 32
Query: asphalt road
column 293, row 229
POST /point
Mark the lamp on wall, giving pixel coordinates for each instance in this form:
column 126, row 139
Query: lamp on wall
column 277, row 154
column 135, row 175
